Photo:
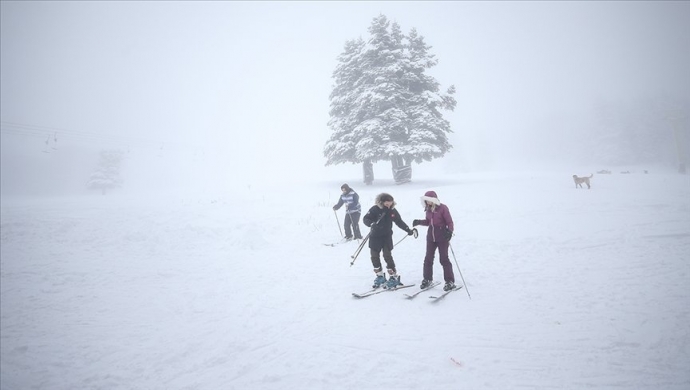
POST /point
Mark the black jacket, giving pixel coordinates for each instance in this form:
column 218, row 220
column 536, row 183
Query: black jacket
column 380, row 219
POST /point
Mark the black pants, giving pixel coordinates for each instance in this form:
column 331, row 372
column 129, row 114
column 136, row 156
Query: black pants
column 352, row 223
column 387, row 256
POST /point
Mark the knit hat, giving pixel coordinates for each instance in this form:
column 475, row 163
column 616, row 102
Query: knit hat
column 430, row 196
column 345, row 187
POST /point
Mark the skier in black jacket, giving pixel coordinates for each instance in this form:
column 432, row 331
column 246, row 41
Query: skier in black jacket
column 380, row 218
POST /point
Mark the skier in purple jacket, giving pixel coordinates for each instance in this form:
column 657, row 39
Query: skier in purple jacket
column 440, row 231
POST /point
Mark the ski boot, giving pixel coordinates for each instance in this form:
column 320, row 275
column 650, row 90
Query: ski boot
column 449, row 286
column 425, row 284
column 393, row 282
column 380, row 280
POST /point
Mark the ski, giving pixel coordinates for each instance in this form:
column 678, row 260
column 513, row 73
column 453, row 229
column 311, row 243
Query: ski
column 438, row 298
column 340, row 242
column 366, row 293
column 432, row 285
column 379, row 291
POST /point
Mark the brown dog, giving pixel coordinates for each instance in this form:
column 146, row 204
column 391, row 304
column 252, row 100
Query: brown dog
column 579, row 180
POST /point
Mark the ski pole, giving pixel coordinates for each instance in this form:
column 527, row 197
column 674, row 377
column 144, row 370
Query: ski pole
column 338, row 222
column 359, row 249
column 456, row 264
column 414, row 233
column 354, row 256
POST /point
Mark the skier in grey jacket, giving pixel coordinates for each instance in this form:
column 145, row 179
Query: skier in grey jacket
column 353, row 210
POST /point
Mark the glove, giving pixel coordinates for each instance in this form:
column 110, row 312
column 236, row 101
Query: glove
column 416, row 222
column 409, row 232
column 448, row 234
column 335, row 207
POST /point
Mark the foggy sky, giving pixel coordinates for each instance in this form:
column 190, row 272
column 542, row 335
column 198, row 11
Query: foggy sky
column 227, row 90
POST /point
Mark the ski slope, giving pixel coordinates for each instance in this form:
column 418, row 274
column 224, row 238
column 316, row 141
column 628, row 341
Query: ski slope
column 570, row 289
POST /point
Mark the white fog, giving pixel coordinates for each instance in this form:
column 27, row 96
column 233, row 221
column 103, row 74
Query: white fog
column 205, row 267
column 220, row 92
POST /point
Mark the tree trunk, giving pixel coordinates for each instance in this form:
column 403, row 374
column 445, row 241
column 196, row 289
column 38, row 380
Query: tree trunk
column 368, row 168
column 402, row 170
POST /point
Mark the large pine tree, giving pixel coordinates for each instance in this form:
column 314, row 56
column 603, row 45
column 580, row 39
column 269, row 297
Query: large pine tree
column 384, row 106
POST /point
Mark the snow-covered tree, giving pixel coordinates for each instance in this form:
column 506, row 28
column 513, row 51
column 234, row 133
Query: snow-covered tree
column 345, row 106
column 107, row 174
column 427, row 126
column 384, row 106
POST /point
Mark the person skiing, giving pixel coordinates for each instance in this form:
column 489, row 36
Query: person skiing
column 353, row 210
column 438, row 236
column 380, row 218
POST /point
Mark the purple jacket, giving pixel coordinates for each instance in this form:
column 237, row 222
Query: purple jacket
column 437, row 218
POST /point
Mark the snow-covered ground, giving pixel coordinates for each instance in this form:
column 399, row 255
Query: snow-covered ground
column 570, row 289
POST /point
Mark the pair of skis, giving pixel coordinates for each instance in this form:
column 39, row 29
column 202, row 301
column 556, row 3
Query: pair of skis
column 438, row 298
column 429, row 287
column 378, row 290
column 434, row 297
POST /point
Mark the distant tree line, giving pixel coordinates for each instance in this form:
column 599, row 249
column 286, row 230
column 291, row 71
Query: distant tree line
column 643, row 131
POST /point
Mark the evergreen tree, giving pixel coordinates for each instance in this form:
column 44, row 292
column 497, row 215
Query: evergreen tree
column 428, row 128
column 384, row 106
column 345, row 113
column 107, row 174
